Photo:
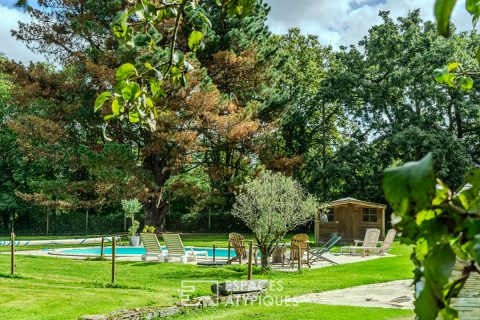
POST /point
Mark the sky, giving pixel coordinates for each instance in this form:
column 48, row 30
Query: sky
column 335, row 22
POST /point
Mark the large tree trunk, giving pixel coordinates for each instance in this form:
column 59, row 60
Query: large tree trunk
column 156, row 211
column 265, row 259
column 156, row 206
column 459, row 122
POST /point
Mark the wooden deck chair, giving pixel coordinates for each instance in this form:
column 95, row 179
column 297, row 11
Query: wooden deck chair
column 152, row 247
column 298, row 247
column 317, row 254
column 237, row 242
column 385, row 244
column 176, row 248
column 370, row 241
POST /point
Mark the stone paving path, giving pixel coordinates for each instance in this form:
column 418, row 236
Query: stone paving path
column 393, row 294
column 338, row 258
column 468, row 301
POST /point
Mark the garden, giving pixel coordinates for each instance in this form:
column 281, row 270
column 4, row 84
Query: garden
column 225, row 159
column 54, row 288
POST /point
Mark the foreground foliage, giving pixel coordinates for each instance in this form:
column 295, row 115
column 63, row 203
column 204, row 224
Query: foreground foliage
column 457, row 74
column 141, row 29
column 443, row 224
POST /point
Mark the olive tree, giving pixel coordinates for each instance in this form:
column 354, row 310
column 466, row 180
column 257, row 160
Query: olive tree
column 131, row 207
column 270, row 206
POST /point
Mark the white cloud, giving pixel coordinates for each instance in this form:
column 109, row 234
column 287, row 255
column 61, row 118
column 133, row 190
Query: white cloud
column 345, row 22
column 12, row 48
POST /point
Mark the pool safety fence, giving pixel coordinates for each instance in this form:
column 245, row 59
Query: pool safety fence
column 19, row 243
column 12, row 243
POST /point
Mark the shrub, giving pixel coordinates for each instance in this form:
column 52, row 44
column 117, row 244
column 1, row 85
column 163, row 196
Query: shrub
column 148, row 229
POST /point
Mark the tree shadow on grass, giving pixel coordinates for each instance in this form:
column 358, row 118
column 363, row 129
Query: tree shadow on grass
column 11, row 276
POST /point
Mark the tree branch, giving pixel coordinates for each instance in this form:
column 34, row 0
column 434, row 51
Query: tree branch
column 175, row 30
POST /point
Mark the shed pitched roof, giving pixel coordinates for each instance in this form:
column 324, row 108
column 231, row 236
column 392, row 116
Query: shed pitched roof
column 349, row 200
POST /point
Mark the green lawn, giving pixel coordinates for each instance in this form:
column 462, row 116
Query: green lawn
column 53, row 288
column 301, row 312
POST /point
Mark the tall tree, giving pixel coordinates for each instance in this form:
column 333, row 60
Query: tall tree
column 14, row 170
column 399, row 96
column 313, row 117
column 395, row 112
column 90, row 56
column 56, row 106
column 67, row 31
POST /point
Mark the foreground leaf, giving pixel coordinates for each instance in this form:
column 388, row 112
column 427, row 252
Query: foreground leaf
column 443, row 10
column 104, row 96
column 473, row 7
column 125, row 71
column 439, row 264
column 476, row 248
column 194, row 40
column 412, row 184
column 426, row 306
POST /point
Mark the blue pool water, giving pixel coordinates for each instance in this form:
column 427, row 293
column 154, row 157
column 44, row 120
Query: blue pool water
column 126, row 251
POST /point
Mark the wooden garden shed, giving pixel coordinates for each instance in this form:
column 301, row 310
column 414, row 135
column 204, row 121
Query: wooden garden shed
column 349, row 218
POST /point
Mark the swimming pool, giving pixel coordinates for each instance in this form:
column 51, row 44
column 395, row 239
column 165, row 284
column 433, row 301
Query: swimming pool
column 132, row 251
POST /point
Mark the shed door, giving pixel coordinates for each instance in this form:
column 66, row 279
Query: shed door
column 341, row 217
column 355, row 216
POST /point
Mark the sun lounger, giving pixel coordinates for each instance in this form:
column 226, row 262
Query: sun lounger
column 384, row 245
column 152, row 247
column 369, row 242
column 317, row 254
column 176, row 249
